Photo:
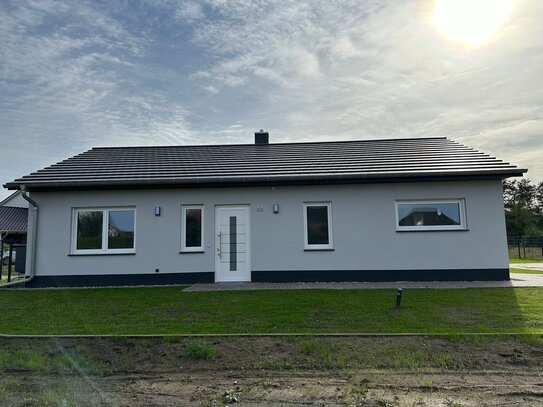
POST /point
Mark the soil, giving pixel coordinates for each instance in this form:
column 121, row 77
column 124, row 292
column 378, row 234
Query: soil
column 274, row 371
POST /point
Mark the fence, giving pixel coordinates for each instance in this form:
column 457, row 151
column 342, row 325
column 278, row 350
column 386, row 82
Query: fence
column 12, row 266
column 525, row 247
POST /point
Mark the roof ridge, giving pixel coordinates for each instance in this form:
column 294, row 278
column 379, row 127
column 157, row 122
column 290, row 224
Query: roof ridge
column 275, row 144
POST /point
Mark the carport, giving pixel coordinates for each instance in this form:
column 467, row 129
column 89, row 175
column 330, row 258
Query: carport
column 13, row 230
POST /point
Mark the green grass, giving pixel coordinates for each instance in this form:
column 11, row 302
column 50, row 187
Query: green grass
column 451, row 403
column 200, row 351
column 513, row 260
column 23, row 359
column 525, row 271
column 311, row 347
column 36, row 360
column 324, row 354
column 169, row 310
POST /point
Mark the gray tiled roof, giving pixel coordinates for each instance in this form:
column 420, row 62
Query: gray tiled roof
column 13, row 219
column 343, row 161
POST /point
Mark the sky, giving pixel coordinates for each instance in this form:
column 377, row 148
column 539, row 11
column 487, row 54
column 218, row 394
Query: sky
column 77, row 74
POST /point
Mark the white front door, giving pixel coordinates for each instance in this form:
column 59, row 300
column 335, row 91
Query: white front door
column 232, row 244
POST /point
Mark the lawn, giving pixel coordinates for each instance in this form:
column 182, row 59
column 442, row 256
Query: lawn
column 525, row 271
column 513, row 260
column 169, row 310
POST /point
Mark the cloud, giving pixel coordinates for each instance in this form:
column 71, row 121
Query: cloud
column 379, row 69
column 80, row 73
column 189, row 12
column 72, row 77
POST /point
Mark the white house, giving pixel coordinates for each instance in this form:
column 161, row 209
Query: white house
column 399, row 209
column 15, row 200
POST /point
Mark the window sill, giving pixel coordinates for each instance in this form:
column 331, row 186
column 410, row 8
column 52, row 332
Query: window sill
column 191, row 251
column 317, row 249
column 431, row 230
column 102, row 254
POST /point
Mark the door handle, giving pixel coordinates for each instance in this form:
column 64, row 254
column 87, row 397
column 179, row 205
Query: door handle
column 219, row 249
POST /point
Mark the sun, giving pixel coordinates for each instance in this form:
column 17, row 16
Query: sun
column 471, row 22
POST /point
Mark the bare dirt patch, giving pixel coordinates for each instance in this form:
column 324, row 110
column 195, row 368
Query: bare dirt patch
column 272, row 371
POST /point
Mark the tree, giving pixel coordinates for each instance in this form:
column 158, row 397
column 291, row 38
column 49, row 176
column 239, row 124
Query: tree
column 521, row 193
column 523, row 203
column 539, row 199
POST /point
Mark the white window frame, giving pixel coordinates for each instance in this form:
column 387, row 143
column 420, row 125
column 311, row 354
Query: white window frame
column 105, row 231
column 462, row 209
column 184, row 247
column 330, row 245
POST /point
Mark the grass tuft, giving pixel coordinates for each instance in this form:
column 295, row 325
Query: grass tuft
column 53, row 398
column 323, row 352
column 83, row 363
column 23, row 359
column 451, row 403
column 200, row 351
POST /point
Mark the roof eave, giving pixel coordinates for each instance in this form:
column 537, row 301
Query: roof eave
column 267, row 179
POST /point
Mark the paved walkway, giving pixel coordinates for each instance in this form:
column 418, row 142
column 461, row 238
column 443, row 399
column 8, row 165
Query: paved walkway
column 517, row 280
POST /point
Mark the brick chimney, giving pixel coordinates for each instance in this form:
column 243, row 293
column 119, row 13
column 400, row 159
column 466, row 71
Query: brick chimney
column 262, row 137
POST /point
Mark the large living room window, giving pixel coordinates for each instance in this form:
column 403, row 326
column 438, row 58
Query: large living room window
column 103, row 231
column 192, row 228
column 318, row 226
column 430, row 215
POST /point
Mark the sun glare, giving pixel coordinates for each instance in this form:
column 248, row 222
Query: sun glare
column 471, row 22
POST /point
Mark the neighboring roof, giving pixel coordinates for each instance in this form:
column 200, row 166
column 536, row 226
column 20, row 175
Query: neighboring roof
column 281, row 163
column 16, row 200
column 13, row 219
column 9, row 198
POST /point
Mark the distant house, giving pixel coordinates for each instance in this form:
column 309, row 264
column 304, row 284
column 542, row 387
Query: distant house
column 13, row 218
column 15, row 200
column 13, row 228
column 379, row 210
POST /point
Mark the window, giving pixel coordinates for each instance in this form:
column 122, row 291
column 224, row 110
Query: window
column 318, row 226
column 192, row 228
column 103, row 231
column 430, row 215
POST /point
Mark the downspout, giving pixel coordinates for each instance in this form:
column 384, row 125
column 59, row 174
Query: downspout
column 34, row 229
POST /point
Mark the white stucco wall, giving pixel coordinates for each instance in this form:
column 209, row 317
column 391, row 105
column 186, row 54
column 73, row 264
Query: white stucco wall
column 364, row 232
